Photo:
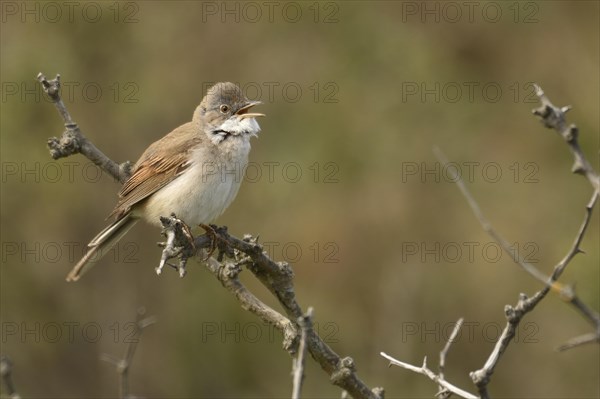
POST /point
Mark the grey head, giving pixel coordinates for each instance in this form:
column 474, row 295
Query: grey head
column 224, row 113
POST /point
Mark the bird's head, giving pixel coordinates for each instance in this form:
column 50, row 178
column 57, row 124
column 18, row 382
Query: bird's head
column 224, row 113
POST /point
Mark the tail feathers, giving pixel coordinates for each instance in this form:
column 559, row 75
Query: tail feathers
column 101, row 244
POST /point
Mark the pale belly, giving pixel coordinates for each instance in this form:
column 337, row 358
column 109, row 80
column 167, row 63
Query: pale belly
column 199, row 195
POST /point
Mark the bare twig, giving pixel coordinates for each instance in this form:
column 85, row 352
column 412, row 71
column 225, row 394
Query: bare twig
column 277, row 277
column 485, row 224
column 553, row 117
column 446, row 389
column 443, row 353
column 305, row 323
column 6, row 366
column 73, row 141
column 514, row 315
column 123, row 365
column 481, row 377
column 431, row 375
column 584, row 339
column 566, row 292
column 227, row 273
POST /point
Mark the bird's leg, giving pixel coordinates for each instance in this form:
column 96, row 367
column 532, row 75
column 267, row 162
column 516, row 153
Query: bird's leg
column 210, row 231
column 188, row 250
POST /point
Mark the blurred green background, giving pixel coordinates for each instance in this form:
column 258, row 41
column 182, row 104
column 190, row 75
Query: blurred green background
column 343, row 184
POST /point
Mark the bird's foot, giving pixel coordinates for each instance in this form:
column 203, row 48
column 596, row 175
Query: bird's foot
column 212, row 234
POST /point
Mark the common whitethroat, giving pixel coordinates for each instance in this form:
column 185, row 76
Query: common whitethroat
column 182, row 172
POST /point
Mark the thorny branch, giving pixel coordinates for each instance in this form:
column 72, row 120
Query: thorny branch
column 277, row 277
column 446, row 389
column 552, row 117
column 566, row 292
column 123, row 365
column 73, row 141
column 426, row 371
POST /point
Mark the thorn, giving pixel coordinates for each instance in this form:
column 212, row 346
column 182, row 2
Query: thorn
column 522, row 296
column 577, row 168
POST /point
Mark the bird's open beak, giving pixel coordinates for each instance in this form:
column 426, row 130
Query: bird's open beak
column 243, row 112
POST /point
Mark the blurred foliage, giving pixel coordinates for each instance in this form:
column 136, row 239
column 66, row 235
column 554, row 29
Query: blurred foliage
column 354, row 129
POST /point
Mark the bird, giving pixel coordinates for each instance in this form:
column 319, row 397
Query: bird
column 195, row 171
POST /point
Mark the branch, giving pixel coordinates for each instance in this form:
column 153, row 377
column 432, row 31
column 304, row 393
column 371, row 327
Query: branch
column 277, row 277
column 584, row 339
column 446, row 389
column 437, row 378
column 122, row 365
column 444, row 352
column 6, row 366
column 305, row 323
column 73, row 141
column 514, row 315
column 485, row 224
column 227, row 274
column 567, row 293
column 554, row 117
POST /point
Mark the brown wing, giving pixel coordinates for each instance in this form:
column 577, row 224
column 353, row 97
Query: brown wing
column 150, row 177
column 153, row 171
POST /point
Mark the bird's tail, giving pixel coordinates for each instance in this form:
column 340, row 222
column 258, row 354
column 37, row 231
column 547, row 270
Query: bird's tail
column 101, row 244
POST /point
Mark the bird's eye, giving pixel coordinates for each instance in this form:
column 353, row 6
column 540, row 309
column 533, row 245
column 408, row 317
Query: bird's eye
column 224, row 108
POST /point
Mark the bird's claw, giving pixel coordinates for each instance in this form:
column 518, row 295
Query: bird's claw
column 210, row 231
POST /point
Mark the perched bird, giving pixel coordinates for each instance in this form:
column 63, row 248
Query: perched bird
column 195, row 171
